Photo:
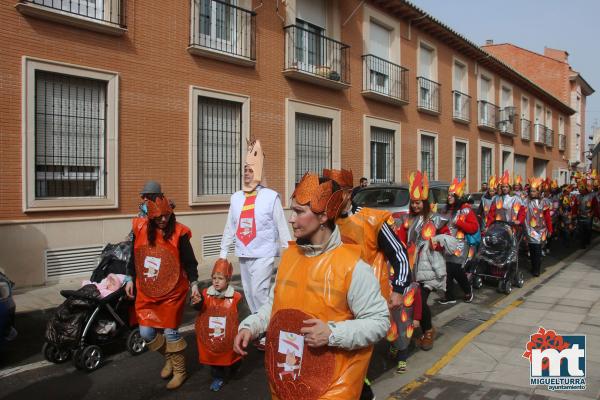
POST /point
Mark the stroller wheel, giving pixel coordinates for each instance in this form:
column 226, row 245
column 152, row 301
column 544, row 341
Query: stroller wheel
column 90, row 358
column 477, row 282
column 519, row 280
column 77, row 357
column 507, row 287
column 54, row 354
column 135, row 343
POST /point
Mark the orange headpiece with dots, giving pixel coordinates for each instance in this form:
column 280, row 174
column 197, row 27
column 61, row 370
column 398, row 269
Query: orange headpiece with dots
column 223, row 267
column 342, row 177
column 158, row 207
column 320, row 197
column 535, row 183
column 457, row 188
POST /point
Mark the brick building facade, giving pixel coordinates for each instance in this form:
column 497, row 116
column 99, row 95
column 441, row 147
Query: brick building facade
column 100, row 97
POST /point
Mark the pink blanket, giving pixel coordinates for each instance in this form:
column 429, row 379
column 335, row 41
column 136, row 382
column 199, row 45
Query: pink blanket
column 108, row 285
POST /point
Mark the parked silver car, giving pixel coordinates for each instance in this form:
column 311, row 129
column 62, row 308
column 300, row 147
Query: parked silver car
column 394, row 197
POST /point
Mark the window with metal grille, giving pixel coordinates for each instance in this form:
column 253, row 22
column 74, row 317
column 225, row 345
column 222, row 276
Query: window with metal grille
column 313, row 144
column 219, row 146
column 382, row 155
column 460, row 160
column 428, row 156
column 70, row 136
column 486, row 164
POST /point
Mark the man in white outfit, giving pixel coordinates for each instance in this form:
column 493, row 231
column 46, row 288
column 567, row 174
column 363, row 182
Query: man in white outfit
column 258, row 224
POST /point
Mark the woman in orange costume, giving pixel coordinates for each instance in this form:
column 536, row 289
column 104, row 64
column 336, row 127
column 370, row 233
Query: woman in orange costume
column 325, row 311
column 163, row 267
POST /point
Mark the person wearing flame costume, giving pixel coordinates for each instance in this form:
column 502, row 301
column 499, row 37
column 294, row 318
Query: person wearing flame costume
column 461, row 221
column 538, row 224
column 325, row 310
column 257, row 224
column 426, row 236
column 163, row 267
column 486, row 200
column 587, row 207
column 217, row 323
column 518, row 188
column 505, row 207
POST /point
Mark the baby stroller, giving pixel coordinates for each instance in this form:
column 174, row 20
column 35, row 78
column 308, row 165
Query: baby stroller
column 85, row 322
column 498, row 257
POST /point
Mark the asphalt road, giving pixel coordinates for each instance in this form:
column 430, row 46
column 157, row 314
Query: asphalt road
column 137, row 377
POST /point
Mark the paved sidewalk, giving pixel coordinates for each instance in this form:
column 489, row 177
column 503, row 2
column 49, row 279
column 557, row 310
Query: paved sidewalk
column 491, row 365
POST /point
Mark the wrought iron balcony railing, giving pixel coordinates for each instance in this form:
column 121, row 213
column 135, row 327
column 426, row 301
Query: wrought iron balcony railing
column 549, row 137
column 223, row 29
column 108, row 12
column 383, row 78
column 428, row 95
column 461, row 106
column 525, row 129
column 309, row 54
column 487, row 115
column 539, row 133
column 507, row 120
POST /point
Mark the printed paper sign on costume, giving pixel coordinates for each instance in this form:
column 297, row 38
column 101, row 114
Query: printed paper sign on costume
column 152, row 266
column 292, row 345
column 218, row 325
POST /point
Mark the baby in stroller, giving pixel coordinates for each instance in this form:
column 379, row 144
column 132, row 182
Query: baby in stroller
column 95, row 315
column 498, row 257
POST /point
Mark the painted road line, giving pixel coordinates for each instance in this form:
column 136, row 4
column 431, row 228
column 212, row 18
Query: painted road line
column 442, row 362
column 5, row 373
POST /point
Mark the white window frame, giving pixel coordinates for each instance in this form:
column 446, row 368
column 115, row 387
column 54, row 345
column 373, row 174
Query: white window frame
column 548, row 123
column 434, row 68
column 368, row 123
column 509, row 149
column 526, row 111
column 492, row 147
column 371, row 14
column 506, row 85
column 561, row 125
column 111, row 198
column 293, row 107
column 490, row 98
column 433, row 135
column 466, row 143
column 194, row 94
column 543, row 116
column 463, row 87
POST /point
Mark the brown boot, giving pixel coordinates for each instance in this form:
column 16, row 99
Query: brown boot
column 426, row 340
column 175, row 355
column 158, row 345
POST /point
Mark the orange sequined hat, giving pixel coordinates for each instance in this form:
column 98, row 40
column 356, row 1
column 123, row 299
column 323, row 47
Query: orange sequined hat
column 505, row 179
column 518, row 180
column 535, row 183
column 342, row 177
column 224, row 267
column 320, row 197
column 158, row 207
column 418, row 186
column 457, row 188
column 492, row 182
column 553, row 184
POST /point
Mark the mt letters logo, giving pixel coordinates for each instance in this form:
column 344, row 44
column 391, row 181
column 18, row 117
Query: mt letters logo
column 557, row 361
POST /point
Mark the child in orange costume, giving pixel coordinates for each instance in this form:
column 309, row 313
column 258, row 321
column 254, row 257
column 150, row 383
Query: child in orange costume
column 217, row 323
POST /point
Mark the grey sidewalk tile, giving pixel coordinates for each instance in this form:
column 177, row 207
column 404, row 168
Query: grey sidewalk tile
column 567, row 317
column 576, row 303
column 560, row 326
column 566, row 395
column 510, row 375
column 537, row 297
column 513, row 330
column 523, row 316
column 534, row 305
column 583, row 294
column 552, row 291
column 571, row 310
column 496, row 337
column 496, row 351
column 586, row 329
column 515, row 356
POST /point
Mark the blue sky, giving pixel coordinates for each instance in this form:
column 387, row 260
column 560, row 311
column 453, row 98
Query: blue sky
column 571, row 25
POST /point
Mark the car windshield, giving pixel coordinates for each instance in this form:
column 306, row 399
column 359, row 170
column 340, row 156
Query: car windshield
column 438, row 195
column 476, row 196
column 381, row 197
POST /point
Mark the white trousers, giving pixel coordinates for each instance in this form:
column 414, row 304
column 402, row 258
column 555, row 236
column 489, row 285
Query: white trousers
column 256, row 280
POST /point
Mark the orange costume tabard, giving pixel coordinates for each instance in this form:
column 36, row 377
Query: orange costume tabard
column 216, row 327
column 313, row 287
column 161, row 282
column 363, row 229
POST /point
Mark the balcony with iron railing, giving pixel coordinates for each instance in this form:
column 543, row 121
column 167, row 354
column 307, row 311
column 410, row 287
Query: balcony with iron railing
column 539, row 134
column 487, row 115
column 507, row 121
column 461, row 106
column 223, row 31
column 525, row 129
column 428, row 96
column 562, row 142
column 384, row 81
column 549, row 137
column 105, row 16
column 314, row 58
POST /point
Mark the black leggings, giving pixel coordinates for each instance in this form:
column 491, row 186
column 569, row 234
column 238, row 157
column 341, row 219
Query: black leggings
column 426, row 313
column 456, row 271
column 535, row 255
column 585, row 233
